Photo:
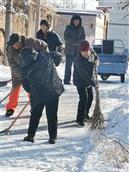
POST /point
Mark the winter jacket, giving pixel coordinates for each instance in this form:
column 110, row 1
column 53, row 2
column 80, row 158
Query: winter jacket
column 39, row 77
column 52, row 39
column 73, row 36
column 83, row 72
column 14, row 60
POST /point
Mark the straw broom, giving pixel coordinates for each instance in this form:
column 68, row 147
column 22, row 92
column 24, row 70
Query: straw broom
column 97, row 118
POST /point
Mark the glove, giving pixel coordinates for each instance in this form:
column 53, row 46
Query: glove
column 56, row 56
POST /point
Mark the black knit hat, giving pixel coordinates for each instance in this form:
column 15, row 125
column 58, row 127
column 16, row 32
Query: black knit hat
column 76, row 17
column 45, row 22
column 13, row 39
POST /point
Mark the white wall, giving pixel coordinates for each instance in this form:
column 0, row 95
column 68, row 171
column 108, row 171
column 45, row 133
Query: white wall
column 118, row 27
column 99, row 32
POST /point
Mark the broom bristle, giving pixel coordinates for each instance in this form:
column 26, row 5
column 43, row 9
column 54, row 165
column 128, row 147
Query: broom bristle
column 98, row 118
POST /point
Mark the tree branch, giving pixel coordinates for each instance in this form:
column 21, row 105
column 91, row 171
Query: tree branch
column 126, row 5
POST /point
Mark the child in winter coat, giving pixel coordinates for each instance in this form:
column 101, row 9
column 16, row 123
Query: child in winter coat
column 83, row 80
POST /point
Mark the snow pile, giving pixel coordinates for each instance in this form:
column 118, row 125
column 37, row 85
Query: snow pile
column 4, row 73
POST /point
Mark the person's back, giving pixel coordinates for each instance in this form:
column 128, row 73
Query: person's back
column 41, row 79
column 83, row 71
column 42, row 75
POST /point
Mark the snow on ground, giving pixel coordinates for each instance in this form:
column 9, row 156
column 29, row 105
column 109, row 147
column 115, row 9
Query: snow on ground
column 77, row 149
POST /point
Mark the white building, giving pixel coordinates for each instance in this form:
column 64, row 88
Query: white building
column 118, row 24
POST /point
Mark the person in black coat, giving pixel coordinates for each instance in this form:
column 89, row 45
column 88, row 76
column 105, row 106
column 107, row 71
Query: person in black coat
column 73, row 35
column 41, row 80
column 49, row 36
column 84, row 81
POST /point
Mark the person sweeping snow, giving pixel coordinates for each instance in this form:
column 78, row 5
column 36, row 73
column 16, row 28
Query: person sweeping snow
column 40, row 78
column 15, row 44
column 83, row 79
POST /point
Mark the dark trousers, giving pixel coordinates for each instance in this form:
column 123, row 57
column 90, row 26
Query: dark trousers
column 51, row 113
column 68, row 67
column 85, row 101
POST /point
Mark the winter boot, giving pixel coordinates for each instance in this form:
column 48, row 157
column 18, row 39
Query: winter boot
column 29, row 138
column 52, row 140
column 9, row 112
column 80, row 124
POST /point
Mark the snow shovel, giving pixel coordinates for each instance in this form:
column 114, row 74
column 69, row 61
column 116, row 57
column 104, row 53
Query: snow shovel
column 6, row 131
column 97, row 118
column 4, row 83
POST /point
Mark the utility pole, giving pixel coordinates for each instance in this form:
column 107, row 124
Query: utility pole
column 37, row 15
column 84, row 3
column 8, row 28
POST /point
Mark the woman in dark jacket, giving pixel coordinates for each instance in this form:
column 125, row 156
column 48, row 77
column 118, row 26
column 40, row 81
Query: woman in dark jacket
column 49, row 36
column 73, row 35
column 41, row 80
column 83, row 80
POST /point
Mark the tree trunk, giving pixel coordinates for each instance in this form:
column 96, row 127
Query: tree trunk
column 8, row 28
column 37, row 16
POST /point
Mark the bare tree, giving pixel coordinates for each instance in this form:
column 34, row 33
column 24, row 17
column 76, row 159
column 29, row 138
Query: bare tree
column 19, row 5
column 7, row 26
column 11, row 6
column 124, row 4
column 37, row 15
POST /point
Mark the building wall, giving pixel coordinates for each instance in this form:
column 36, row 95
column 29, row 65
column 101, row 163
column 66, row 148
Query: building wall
column 118, row 26
column 89, row 23
column 99, row 29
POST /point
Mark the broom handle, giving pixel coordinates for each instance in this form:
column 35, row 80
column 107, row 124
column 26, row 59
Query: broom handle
column 5, row 97
column 18, row 115
column 6, row 81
